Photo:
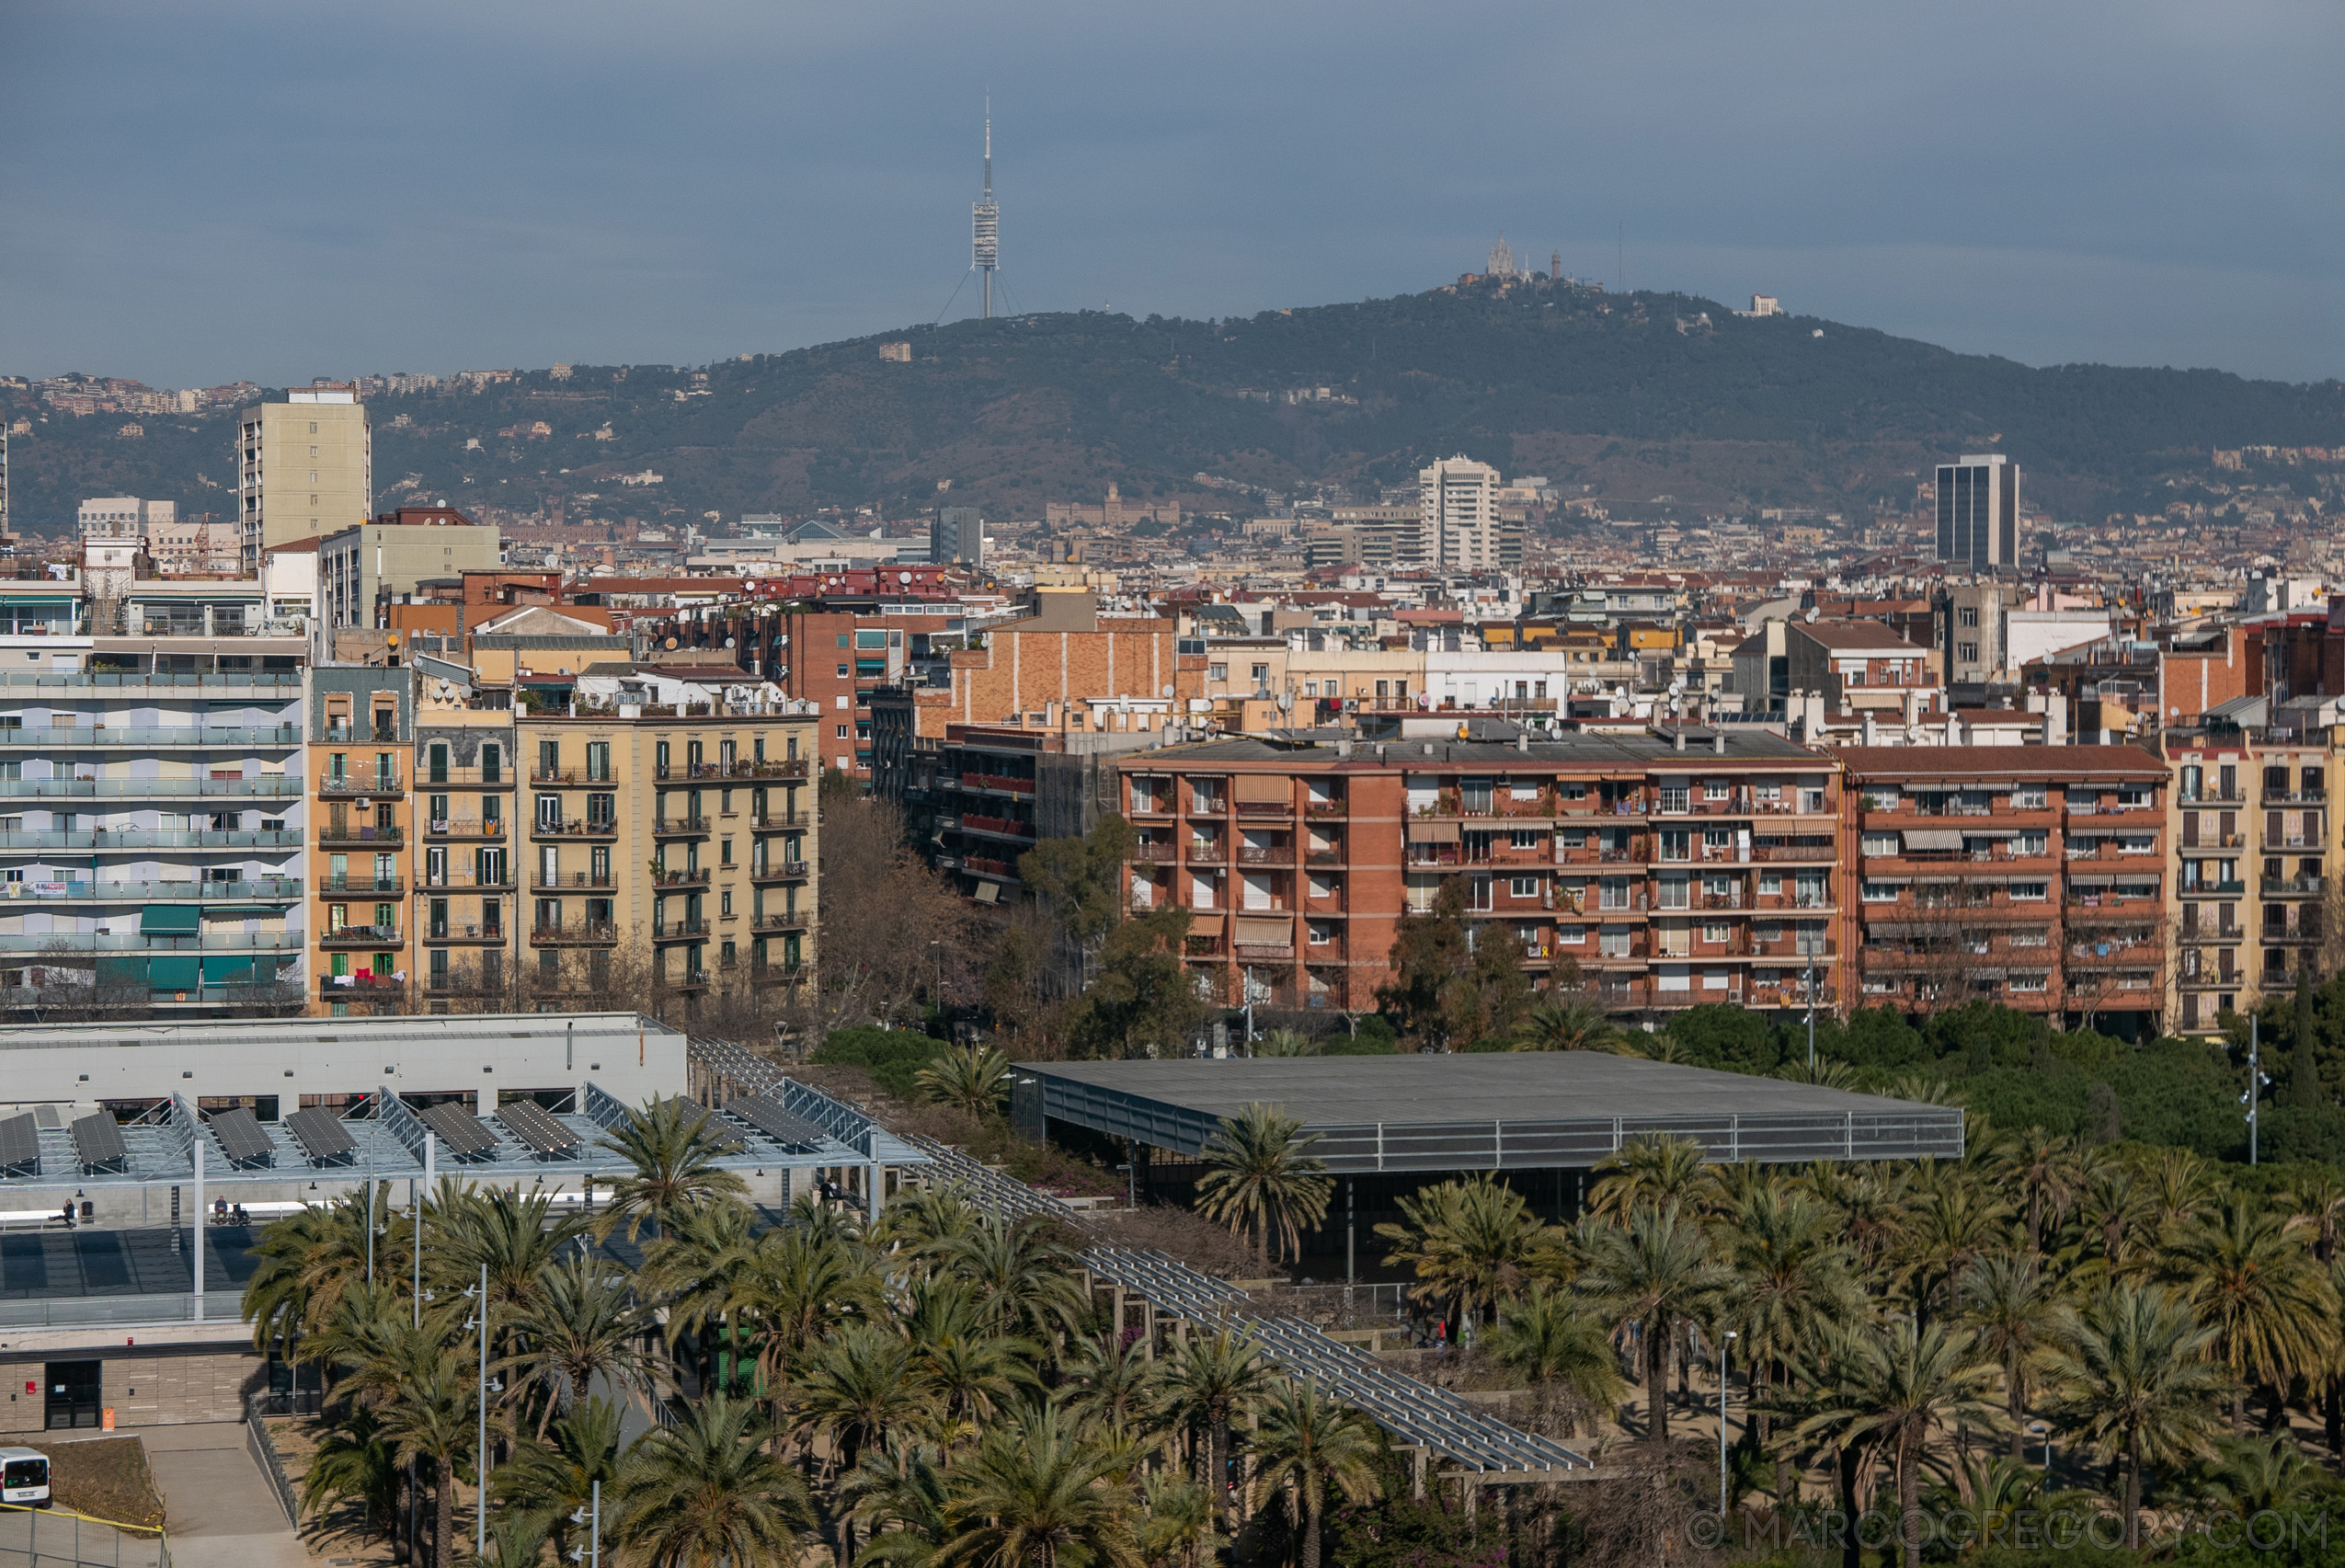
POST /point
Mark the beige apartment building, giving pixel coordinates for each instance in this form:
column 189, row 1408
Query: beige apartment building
column 304, row 467
column 670, row 853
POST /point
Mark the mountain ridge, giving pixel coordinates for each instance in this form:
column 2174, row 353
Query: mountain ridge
column 1618, row 397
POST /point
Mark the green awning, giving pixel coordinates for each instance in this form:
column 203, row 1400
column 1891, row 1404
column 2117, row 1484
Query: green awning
column 170, row 919
column 224, row 970
column 122, row 969
column 171, row 971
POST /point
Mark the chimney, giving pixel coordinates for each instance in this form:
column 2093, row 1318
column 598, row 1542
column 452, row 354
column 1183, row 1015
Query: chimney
column 1718, row 739
column 1872, row 730
column 2056, row 719
column 1913, row 709
column 1678, row 737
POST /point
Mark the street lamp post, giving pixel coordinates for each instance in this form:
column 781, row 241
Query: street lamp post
column 2040, row 1430
column 1724, row 1346
column 1812, row 1014
column 480, row 1324
column 591, row 1553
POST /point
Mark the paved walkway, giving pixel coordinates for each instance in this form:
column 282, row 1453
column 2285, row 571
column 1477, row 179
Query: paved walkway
column 55, row 1540
column 221, row 1511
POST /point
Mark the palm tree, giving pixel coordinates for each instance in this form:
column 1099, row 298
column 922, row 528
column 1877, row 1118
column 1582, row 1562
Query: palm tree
column 2134, row 1369
column 1953, row 1221
column 2271, row 1306
column 923, row 1221
column 969, row 1377
column 1180, row 1521
column 1027, row 1281
column 1792, row 1273
column 516, row 1539
column 1652, row 1168
column 699, row 1269
column 1545, row 1338
column 1652, row 1274
column 2048, row 1171
column 973, row 1078
column 554, row 1477
column 1034, row 1492
column 901, row 1498
column 583, row 1326
column 1472, row 1242
column 428, row 1417
column 354, row 1461
column 674, row 1146
column 858, row 1386
column 2257, row 1476
column 1212, row 1381
column 516, row 1236
column 2012, row 1306
column 706, row 1494
column 1897, row 1388
column 1111, row 1383
column 1261, row 1177
column 1308, row 1441
column 1286, row 1043
column 303, row 1265
column 1568, row 1022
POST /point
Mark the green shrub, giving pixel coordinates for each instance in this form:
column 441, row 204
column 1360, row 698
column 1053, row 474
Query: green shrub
column 892, row 1056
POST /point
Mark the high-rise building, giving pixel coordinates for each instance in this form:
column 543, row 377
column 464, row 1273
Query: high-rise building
column 1978, row 512
column 1457, row 515
column 957, row 537
column 122, row 517
column 304, row 467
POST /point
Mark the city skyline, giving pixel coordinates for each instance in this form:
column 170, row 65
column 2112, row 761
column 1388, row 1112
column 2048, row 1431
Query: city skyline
column 745, row 183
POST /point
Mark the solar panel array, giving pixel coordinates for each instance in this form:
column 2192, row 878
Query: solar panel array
column 537, row 1126
column 241, row 1138
column 785, row 1127
column 19, row 1143
column 321, row 1133
column 466, row 1136
column 1416, row 1413
column 98, row 1142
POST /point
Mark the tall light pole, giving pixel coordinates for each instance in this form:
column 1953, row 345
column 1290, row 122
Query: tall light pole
column 480, row 1511
column 2253, row 1096
column 1724, row 1346
column 591, row 1553
column 1810, row 1013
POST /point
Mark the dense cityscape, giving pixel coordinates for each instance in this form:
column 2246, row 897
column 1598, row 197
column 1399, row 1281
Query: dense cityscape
column 1290, row 888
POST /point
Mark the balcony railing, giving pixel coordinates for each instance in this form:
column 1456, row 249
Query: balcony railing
column 569, row 777
column 2293, row 887
column 263, row 785
column 774, row 821
column 694, row 877
column 361, row 887
column 373, row 781
column 465, row 828
column 361, row 936
column 576, row 827
column 2300, row 797
column 469, row 882
column 581, row 932
column 1266, row 854
column 462, row 931
column 776, row 974
column 1000, row 783
column 678, row 930
column 789, row 920
column 262, row 889
column 790, row 871
column 570, row 881
column 680, row 826
column 84, row 738
column 379, row 837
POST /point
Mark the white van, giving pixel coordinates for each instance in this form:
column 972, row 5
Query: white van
column 24, row 1477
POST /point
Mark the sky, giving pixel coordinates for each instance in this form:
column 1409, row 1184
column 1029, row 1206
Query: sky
column 276, row 192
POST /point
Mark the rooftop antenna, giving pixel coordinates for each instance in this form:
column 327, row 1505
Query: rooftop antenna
column 986, row 219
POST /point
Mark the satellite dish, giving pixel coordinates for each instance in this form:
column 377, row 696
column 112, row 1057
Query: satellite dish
column 903, row 576
column 728, row 642
column 1286, row 702
column 671, row 641
column 1811, row 616
column 1678, row 688
column 1167, row 691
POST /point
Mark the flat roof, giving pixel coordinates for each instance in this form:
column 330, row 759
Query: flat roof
column 1646, row 749
column 1504, row 1110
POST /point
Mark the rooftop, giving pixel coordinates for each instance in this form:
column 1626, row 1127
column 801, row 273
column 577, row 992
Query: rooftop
column 1533, row 1110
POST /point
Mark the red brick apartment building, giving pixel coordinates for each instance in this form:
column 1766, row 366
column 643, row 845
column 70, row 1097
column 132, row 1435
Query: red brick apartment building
column 2032, row 876
column 1675, row 866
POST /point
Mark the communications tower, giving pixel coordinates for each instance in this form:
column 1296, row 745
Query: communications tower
column 986, row 222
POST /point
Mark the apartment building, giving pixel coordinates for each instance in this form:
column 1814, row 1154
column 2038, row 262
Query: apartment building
column 2255, row 866
column 362, row 744
column 2031, row 876
column 1856, row 665
column 304, row 467
column 362, row 569
column 466, row 914
column 150, row 827
column 1673, row 867
column 671, row 853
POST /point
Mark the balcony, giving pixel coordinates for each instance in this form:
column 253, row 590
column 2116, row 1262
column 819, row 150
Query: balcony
column 465, row 828
column 996, row 827
column 86, row 737
column 1326, row 808
column 568, row 778
column 468, row 882
column 586, row 827
column 280, row 889
column 338, row 988
column 788, row 919
column 379, row 781
column 1323, row 857
column 2294, row 886
column 998, row 783
column 2214, row 844
column 680, row 828
column 118, row 841
column 580, row 933
column 775, row 821
column 369, row 837
column 455, row 931
column 2212, row 889
column 1264, row 951
column 461, row 982
column 575, row 881
column 775, row 871
column 1266, row 854
column 2291, row 935
column 1265, row 808
column 1154, row 853
column 361, row 887
column 679, row 930
column 429, row 777
column 776, row 974
column 1794, row 854
column 263, row 785
column 695, row 876
column 2301, row 798
column 361, row 936
column 2233, row 796
column 1205, row 852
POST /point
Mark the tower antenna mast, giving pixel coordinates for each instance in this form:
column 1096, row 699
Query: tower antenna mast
column 985, row 220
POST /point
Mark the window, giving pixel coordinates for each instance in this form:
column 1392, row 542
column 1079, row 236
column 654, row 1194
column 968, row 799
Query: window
column 1881, row 843
column 1613, row 943
column 843, row 672
column 1882, row 892
column 492, row 763
column 2029, row 797
column 1716, row 789
column 1676, row 797
column 1524, row 839
column 1260, row 673
column 1968, row 653
column 2028, row 891
column 1770, row 884
column 1968, row 616
column 725, row 852
column 842, row 732
column 1576, row 935
column 599, row 762
column 549, row 811
column 1673, row 893
column 724, row 902
column 1522, row 886
column 1717, row 933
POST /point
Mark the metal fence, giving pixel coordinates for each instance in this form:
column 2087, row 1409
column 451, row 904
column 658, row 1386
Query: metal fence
column 33, row 1537
column 264, row 1454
